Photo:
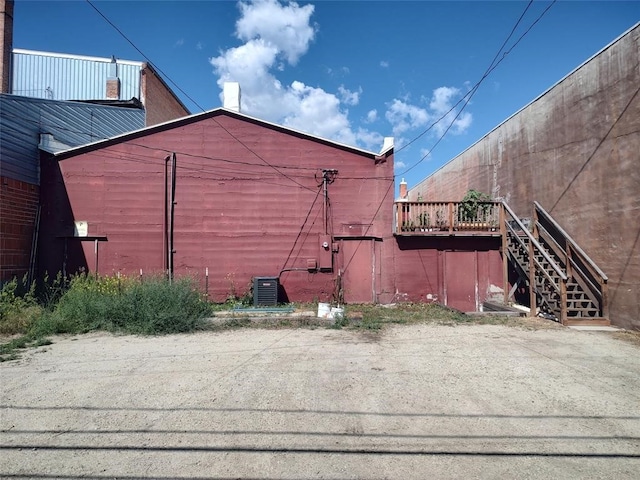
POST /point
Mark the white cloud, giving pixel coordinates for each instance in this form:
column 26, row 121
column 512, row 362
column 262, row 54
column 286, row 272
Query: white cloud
column 274, row 36
column 404, row 117
column 425, row 152
column 372, row 116
column 286, row 27
column 443, row 107
column 199, row 46
column 348, row 97
column 179, row 42
column 398, row 165
column 384, row 64
column 372, row 141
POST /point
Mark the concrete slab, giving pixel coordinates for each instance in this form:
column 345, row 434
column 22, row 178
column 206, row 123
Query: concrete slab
column 596, row 328
column 410, row 402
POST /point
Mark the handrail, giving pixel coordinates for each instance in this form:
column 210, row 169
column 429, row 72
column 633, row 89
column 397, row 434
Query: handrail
column 523, row 245
column 537, row 245
column 543, row 232
column 574, row 245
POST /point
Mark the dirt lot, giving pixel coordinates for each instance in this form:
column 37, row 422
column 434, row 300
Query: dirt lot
column 417, row 401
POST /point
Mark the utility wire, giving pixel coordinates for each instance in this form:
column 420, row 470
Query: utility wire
column 185, row 94
column 145, row 57
column 284, row 265
column 492, row 66
column 467, row 98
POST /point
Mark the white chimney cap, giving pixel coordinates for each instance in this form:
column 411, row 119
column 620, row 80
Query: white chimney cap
column 231, row 96
column 387, row 144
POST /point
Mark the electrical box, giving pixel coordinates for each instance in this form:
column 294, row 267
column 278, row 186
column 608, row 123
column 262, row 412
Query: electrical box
column 325, row 255
column 265, row 291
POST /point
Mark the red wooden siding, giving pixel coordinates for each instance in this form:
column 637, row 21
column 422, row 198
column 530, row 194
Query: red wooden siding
column 235, row 214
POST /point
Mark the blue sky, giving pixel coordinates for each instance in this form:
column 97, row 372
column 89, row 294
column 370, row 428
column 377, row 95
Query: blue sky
column 351, row 71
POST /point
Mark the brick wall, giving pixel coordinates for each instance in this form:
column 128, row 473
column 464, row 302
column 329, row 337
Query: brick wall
column 159, row 102
column 18, row 206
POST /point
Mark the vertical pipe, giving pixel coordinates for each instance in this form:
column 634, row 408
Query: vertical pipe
column 206, row 282
column 165, row 226
column 95, row 250
column 172, row 215
column 325, row 193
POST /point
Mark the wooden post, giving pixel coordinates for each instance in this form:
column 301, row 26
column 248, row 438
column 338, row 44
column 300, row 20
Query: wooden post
column 450, row 217
column 532, row 280
column 604, row 302
column 568, row 257
column 505, row 253
column 563, row 302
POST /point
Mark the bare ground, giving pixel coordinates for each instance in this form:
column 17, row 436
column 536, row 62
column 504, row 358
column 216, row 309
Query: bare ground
column 416, row 401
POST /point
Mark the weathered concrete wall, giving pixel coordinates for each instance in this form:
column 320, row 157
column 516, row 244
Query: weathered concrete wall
column 576, row 150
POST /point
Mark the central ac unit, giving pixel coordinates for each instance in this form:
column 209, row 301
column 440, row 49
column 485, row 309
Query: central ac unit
column 265, row 291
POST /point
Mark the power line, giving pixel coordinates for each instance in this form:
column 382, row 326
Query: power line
column 493, row 65
column 475, row 86
column 145, row 57
column 467, row 98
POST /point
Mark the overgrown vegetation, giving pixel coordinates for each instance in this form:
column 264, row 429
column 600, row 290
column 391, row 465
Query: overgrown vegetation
column 154, row 306
column 114, row 304
column 474, row 206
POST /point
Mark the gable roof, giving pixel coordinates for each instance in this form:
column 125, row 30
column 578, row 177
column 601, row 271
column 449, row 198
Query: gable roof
column 72, row 152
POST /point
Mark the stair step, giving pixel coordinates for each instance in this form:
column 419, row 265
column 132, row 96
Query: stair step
column 585, row 322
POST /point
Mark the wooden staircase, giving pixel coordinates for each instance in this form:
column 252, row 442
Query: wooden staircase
column 563, row 282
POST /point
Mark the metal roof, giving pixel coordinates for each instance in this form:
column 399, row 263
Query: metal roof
column 24, row 119
column 57, row 76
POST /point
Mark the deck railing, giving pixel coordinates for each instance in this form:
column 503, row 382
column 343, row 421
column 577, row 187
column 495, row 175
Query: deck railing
column 425, row 218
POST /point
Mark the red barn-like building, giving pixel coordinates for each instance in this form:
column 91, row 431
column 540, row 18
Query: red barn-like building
column 251, row 199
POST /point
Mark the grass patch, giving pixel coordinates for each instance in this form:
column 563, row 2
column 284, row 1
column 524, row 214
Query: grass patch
column 113, row 304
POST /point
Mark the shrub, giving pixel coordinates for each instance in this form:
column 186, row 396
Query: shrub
column 18, row 307
column 119, row 304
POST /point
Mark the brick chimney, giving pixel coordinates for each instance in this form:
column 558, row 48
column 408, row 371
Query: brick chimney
column 403, row 189
column 6, row 44
column 231, row 96
column 113, row 82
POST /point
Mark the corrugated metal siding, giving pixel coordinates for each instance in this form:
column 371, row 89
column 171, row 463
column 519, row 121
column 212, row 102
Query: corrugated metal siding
column 23, row 119
column 62, row 78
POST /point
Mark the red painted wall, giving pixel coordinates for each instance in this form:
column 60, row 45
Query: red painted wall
column 18, row 205
column 244, row 194
column 460, row 272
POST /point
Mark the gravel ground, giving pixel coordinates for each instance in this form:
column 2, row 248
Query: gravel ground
column 419, row 401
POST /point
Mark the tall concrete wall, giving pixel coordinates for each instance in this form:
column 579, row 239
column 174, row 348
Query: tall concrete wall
column 576, row 150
